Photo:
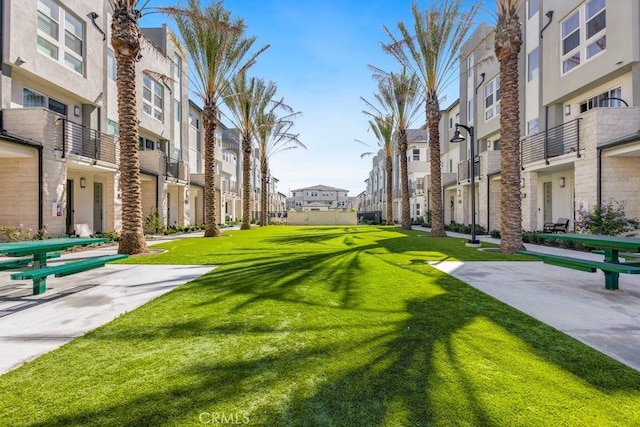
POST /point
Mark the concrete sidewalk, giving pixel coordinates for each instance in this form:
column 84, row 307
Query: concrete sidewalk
column 31, row 325
column 572, row 301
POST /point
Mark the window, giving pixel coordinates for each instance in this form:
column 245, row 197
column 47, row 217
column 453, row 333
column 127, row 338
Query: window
column 492, row 96
column 534, row 5
column 111, row 65
column 31, row 98
column 603, row 100
column 584, row 34
column 152, row 97
column 147, row 144
column 60, row 35
column 417, row 209
column 450, row 123
column 470, row 110
column 496, row 145
column 113, row 128
column 533, row 63
column 532, row 126
column 194, row 122
column 416, row 154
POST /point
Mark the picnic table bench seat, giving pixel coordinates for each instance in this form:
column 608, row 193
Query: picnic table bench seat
column 18, row 262
column 584, row 264
column 68, row 268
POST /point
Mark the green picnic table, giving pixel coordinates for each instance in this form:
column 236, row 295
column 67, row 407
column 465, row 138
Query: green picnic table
column 41, row 250
column 611, row 246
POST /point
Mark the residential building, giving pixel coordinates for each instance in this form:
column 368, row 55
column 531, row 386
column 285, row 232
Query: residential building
column 319, row 198
column 579, row 110
column 59, row 153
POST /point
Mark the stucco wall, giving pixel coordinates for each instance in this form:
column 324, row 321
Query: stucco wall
column 322, row 218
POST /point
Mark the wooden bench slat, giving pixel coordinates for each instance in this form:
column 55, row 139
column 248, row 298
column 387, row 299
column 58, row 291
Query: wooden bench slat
column 69, row 268
column 10, row 262
column 584, row 264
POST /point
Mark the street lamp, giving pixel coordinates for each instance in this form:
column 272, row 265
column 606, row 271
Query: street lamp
column 459, row 138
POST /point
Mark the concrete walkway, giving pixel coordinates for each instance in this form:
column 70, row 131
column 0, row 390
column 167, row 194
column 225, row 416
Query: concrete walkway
column 31, row 325
column 572, row 301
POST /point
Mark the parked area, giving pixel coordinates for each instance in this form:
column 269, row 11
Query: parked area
column 329, row 325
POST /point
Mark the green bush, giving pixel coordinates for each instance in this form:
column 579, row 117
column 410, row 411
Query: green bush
column 608, row 219
column 153, row 223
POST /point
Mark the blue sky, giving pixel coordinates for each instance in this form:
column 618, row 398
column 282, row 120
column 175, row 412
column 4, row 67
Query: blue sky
column 318, row 57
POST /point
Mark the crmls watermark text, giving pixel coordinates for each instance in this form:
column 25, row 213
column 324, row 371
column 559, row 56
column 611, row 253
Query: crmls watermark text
column 224, row 418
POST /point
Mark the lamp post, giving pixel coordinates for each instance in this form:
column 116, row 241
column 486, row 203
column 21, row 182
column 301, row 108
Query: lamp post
column 459, row 138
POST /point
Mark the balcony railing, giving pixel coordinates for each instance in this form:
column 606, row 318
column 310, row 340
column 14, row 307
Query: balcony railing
column 464, row 169
column 230, row 187
column 176, row 169
column 556, row 141
column 82, row 141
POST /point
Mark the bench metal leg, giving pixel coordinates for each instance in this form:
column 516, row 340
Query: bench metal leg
column 611, row 278
column 39, row 286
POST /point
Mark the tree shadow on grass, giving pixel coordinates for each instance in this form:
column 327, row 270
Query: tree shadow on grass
column 332, row 359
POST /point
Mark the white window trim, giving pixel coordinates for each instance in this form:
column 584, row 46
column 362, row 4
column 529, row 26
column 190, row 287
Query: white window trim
column 593, row 101
column 581, row 48
column 493, row 110
column 154, row 110
column 59, row 42
column 533, row 73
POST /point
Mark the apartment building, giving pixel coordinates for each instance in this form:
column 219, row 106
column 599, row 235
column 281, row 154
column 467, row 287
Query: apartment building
column 579, row 109
column 58, row 158
column 374, row 199
column 319, row 198
column 59, row 155
column 579, row 96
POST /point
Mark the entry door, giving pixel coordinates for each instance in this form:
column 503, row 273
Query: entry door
column 70, row 212
column 97, row 207
column 548, row 205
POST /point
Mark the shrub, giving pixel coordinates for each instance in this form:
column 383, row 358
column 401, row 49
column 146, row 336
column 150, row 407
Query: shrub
column 153, row 223
column 608, row 219
column 20, row 233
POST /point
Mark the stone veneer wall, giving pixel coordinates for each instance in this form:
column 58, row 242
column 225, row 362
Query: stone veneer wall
column 620, row 175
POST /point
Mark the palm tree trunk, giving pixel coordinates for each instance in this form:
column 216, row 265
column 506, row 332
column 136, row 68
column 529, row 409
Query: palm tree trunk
column 264, row 220
column 126, row 43
column 433, row 123
column 404, row 180
column 389, row 188
column 210, row 114
column 508, row 40
column 246, row 184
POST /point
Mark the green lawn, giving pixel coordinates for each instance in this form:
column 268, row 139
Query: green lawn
column 322, row 326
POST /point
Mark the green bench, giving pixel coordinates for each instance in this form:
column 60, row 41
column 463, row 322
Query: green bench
column 39, row 275
column 620, row 254
column 611, row 270
column 9, row 263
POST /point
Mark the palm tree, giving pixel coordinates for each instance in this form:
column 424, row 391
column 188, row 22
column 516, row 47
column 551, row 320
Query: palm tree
column 398, row 95
column 432, row 53
column 125, row 38
column 508, row 40
column 217, row 47
column 245, row 100
column 382, row 127
column 273, row 135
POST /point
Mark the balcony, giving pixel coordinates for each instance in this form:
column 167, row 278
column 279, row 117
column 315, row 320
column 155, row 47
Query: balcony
column 90, row 143
column 175, row 169
column 230, row 187
column 553, row 142
column 464, row 169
